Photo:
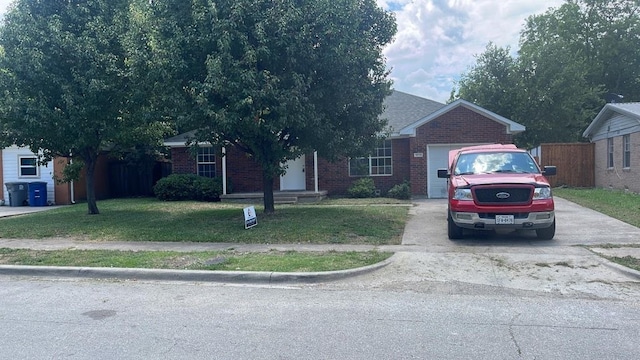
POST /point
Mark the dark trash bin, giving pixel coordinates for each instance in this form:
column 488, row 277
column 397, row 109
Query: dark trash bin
column 38, row 193
column 17, row 193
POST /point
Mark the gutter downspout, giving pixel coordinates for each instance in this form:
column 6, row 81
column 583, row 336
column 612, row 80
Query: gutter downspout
column 72, row 192
column 224, row 170
column 315, row 170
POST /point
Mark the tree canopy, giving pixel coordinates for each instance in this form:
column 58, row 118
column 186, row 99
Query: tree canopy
column 571, row 60
column 66, row 85
column 275, row 79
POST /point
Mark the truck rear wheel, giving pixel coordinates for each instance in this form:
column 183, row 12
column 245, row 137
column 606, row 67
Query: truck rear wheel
column 453, row 231
column 547, row 233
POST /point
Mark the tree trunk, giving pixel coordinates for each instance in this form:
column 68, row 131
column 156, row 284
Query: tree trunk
column 90, row 163
column 267, row 188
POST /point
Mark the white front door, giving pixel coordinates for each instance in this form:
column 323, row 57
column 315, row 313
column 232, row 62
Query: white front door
column 294, row 178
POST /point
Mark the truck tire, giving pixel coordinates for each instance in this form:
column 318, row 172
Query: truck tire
column 547, row 233
column 453, row 231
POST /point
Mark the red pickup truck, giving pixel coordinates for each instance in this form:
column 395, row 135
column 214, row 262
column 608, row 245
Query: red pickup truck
column 498, row 187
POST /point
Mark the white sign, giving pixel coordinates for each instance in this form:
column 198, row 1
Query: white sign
column 250, row 219
column 418, row 154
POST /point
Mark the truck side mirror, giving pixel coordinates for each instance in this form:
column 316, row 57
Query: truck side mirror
column 549, row 170
column 443, row 173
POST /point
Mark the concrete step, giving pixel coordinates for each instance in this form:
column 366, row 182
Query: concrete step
column 285, row 200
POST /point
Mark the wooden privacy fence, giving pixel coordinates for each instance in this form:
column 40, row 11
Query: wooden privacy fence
column 575, row 163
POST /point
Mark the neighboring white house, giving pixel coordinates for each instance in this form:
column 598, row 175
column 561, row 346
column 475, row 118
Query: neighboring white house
column 616, row 134
column 19, row 164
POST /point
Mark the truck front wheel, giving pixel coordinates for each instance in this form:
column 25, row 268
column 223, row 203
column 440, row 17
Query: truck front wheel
column 454, row 231
column 547, row 233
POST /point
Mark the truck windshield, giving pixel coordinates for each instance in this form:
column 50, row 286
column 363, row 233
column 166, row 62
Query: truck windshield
column 495, row 162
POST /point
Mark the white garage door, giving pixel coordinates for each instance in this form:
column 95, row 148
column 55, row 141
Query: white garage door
column 438, row 158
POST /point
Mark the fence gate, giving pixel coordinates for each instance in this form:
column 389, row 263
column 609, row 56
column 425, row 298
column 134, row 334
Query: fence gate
column 575, row 163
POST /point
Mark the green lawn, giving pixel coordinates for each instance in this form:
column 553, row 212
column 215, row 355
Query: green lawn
column 341, row 221
column 289, row 261
column 153, row 220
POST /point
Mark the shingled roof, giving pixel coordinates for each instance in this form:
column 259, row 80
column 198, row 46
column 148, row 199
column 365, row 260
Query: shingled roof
column 402, row 110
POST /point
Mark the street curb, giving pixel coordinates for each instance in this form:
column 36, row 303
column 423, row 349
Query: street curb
column 605, row 260
column 620, row 268
column 233, row 277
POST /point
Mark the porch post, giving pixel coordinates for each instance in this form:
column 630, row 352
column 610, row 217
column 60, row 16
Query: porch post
column 315, row 170
column 224, row 171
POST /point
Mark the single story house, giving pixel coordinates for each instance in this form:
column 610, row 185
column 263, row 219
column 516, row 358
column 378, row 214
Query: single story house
column 616, row 134
column 422, row 132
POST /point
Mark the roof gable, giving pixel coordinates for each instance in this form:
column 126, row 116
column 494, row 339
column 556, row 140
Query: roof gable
column 625, row 112
column 402, row 109
column 512, row 126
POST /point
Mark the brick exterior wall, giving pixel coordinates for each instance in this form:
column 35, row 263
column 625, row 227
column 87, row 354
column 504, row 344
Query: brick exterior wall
column 243, row 174
column 182, row 161
column 618, row 177
column 458, row 126
column 334, row 177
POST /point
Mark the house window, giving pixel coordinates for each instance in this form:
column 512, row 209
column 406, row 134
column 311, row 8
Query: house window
column 28, row 166
column 610, row 153
column 206, row 162
column 626, row 151
column 379, row 163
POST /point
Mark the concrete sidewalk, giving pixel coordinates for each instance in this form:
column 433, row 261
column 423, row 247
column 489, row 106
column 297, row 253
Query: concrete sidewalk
column 414, row 241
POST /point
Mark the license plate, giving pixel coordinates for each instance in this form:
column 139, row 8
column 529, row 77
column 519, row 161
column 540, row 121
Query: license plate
column 504, row 219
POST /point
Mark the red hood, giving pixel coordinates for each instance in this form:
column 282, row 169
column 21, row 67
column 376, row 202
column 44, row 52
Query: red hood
column 492, row 179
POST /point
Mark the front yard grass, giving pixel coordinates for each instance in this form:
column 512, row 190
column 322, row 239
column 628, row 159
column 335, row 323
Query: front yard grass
column 148, row 219
column 290, row 261
column 342, row 221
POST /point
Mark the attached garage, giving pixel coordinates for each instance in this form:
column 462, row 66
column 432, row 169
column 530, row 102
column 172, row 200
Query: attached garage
column 452, row 126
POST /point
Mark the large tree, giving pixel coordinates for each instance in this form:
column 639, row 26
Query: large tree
column 571, row 60
column 66, row 88
column 493, row 80
column 280, row 78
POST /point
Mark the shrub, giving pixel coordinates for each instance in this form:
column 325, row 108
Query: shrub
column 400, row 191
column 188, row 187
column 362, row 188
column 207, row 189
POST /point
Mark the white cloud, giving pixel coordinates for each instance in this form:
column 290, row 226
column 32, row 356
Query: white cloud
column 437, row 39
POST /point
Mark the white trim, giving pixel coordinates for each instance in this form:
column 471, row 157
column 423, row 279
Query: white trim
column 21, row 167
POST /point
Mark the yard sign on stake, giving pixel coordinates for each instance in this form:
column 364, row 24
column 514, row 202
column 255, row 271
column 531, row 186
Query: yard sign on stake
column 250, row 219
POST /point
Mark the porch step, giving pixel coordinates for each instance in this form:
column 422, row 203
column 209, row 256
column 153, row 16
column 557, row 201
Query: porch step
column 279, row 197
column 285, row 199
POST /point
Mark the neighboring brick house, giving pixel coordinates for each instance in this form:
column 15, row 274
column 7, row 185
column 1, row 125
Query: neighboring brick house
column 616, row 134
column 422, row 132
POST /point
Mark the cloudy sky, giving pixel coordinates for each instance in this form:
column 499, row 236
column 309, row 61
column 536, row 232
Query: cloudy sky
column 437, row 39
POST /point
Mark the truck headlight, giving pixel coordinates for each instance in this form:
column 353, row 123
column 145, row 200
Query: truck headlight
column 462, row 194
column 542, row 193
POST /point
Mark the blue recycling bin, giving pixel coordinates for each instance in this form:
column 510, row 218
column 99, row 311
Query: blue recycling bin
column 38, row 193
column 17, row 193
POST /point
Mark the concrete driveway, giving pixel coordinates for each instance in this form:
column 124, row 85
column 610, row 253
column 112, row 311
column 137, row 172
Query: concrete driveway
column 516, row 261
column 576, row 225
column 19, row 210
